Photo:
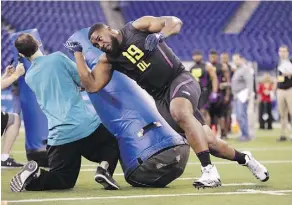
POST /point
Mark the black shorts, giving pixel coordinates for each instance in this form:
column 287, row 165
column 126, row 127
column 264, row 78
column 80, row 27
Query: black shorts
column 162, row 168
column 184, row 86
column 4, row 121
column 204, row 102
column 219, row 109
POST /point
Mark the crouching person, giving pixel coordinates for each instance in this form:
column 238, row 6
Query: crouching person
column 73, row 130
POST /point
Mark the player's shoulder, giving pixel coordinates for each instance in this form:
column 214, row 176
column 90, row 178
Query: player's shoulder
column 58, row 54
column 104, row 58
column 130, row 28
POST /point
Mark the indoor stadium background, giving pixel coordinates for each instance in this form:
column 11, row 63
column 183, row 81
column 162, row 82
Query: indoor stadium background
column 255, row 29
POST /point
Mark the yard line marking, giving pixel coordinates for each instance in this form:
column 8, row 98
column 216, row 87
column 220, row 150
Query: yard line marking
column 267, row 148
column 262, row 161
column 240, row 192
column 269, row 192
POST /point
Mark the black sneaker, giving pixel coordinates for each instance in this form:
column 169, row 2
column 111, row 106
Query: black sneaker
column 224, row 137
column 103, row 177
column 20, row 180
column 282, row 138
column 10, row 163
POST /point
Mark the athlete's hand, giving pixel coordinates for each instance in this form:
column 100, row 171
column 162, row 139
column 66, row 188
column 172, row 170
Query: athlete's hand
column 213, row 97
column 19, row 71
column 73, row 46
column 152, row 41
column 9, row 70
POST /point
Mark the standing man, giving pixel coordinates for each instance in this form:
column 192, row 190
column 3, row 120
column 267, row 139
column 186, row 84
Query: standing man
column 224, row 58
column 284, row 91
column 205, row 74
column 10, row 122
column 218, row 108
column 139, row 51
column 73, row 130
column 242, row 89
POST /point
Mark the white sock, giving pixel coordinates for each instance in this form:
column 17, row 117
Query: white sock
column 104, row 164
column 4, row 157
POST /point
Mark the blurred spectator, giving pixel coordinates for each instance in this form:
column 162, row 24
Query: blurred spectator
column 284, row 92
column 266, row 93
column 251, row 108
column 224, row 57
column 242, row 89
column 10, row 122
column 205, row 74
column 219, row 106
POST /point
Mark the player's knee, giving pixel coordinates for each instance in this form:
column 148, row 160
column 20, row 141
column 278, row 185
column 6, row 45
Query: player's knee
column 13, row 119
column 181, row 116
column 211, row 137
column 68, row 179
column 16, row 118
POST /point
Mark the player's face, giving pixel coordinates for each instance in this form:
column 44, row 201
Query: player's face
column 197, row 58
column 283, row 53
column 237, row 60
column 213, row 58
column 104, row 40
column 224, row 58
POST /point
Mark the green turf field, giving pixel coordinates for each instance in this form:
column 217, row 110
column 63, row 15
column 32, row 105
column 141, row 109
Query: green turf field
column 239, row 185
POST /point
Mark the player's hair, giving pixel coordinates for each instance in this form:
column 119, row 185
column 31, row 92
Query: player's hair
column 94, row 28
column 237, row 54
column 284, row 46
column 213, row 52
column 26, row 44
column 197, row 52
column 224, row 53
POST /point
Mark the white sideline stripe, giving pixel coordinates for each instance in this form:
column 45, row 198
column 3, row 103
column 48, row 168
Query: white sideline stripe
column 260, row 149
column 241, row 192
column 224, row 163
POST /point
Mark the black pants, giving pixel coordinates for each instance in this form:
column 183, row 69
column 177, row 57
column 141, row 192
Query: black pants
column 162, row 168
column 65, row 160
column 265, row 115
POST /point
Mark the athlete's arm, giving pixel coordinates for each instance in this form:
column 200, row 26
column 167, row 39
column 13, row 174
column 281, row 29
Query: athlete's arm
column 72, row 70
column 7, row 80
column 214, row 78
column 98, row 78
column 166, row 25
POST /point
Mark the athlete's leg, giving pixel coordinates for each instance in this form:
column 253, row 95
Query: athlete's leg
column 10, row 134
column 221, row 149
column 207, row 117
column 182, row 111
column 184, row 95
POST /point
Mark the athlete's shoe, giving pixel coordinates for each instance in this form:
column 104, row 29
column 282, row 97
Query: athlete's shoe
column 257, row 169
column 210, row 178
column 20, row 180
column 10, row 163
column 103, row 177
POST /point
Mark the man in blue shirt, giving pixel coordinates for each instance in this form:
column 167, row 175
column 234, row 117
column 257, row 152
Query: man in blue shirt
column 73, row 130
